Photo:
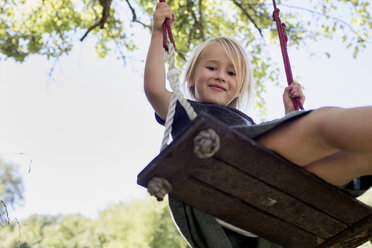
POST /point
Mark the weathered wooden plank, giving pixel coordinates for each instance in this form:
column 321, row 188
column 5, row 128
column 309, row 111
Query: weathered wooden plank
column 354, row 236
column 271, row 200
column 238, row 213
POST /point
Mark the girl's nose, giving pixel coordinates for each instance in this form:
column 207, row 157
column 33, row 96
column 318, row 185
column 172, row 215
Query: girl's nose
column 221, row 76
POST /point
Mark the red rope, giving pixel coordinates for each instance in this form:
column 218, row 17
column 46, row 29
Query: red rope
column 283, row 44
column 167, row 30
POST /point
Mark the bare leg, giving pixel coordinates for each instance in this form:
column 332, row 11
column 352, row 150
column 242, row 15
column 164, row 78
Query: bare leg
column 315, row 140
column 342, row 167
column 321, row 133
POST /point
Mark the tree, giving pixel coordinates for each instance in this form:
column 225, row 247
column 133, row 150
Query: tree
column 51, row 28
column 11, row 189
column 140, row 224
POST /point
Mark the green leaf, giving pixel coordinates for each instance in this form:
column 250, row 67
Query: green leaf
column 356, row 50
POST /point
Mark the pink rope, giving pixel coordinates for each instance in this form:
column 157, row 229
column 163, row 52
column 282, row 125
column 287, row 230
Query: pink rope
column 283, row 44
column 167, row 30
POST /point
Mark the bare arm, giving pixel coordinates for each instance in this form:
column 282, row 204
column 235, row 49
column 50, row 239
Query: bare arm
column 154, row 81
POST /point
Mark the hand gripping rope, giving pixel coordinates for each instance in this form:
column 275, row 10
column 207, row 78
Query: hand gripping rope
column 283, row 44
column 167, row 29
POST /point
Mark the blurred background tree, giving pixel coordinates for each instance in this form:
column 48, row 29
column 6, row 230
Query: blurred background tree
column 140, row 224
column 11, row 189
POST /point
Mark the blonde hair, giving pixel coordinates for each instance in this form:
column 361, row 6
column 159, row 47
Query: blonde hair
column 240, row 62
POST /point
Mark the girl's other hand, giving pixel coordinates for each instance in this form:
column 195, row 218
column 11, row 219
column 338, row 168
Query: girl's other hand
column 292, row 91
column 161, row 13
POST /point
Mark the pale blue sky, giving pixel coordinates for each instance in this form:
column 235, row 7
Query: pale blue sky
column 90, row 131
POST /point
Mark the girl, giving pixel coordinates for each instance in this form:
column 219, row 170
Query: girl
column 333, row 143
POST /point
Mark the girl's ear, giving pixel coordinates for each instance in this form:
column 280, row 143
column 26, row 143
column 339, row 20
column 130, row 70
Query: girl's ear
column 191, row 83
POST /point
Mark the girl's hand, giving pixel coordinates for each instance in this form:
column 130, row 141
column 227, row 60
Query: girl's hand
column 161, row 13
column 290, row 92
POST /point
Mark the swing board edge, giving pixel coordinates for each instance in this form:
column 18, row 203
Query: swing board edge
column 354, row 236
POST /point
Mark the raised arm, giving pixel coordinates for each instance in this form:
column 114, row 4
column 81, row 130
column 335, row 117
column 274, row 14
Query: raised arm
column 154, row 81
column 292, row 91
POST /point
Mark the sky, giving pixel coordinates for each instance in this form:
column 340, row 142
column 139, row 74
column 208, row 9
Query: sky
column 81, row 137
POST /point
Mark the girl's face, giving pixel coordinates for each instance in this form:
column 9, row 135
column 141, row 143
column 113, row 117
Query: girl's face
column 215, row 79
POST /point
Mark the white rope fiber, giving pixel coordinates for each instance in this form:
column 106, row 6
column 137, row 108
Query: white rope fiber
column 159, row 187
column 173, row 76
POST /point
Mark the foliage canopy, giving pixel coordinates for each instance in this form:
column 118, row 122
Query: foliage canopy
column 51, row 28
column 141, row 224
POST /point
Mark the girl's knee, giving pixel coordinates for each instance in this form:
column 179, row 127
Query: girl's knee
column 323, row 123
column 323, row 115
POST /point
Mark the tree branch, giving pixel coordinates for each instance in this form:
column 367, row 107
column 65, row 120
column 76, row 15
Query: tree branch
column 51, row 71
column 320, row 14
column 336, row 19
column 239, row 5
column 98, row 23
column 134, row 18
column 122, row 55
column 181, row 54
column 106, row 5
column 198, row 23
column 201, row 19
column 7, row 220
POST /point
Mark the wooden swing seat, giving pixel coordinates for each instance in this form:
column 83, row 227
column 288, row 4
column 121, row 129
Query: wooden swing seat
column 253, row 188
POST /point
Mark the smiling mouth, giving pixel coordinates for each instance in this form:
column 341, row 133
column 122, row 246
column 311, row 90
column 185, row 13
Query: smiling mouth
column 217, row 87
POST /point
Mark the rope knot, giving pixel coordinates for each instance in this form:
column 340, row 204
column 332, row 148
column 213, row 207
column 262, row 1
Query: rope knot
column 276, row 14
column 159, row 187
column 206, row 143
column 285, row 32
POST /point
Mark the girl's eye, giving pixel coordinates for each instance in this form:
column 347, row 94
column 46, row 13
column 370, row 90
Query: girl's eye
column 211, row 68
column 231, row 73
